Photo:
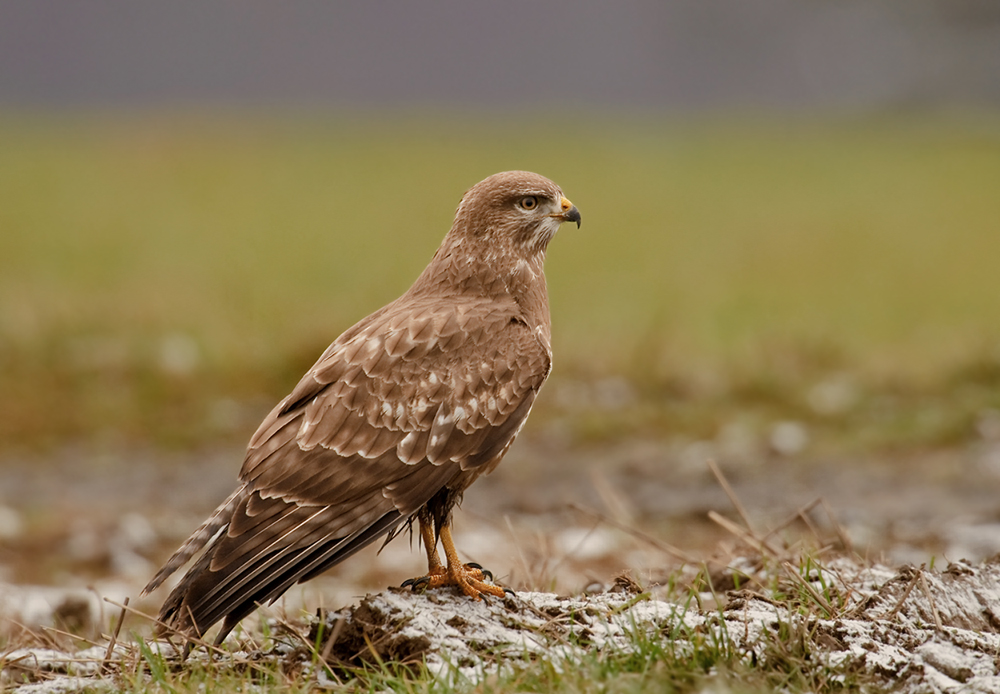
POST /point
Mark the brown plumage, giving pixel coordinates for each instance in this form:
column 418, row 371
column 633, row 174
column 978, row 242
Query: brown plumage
column 393, row 422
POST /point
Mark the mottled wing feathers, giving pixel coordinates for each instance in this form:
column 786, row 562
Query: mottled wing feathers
column 424, row 384
column 390, row 414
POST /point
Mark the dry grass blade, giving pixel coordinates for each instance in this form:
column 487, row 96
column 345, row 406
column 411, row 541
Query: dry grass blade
column 906, row 593
column 25, row 661
column 572, row 551
column 520, row 551
column 809, row 524
column 43, row 638
column 930, row 598
column 114, row 637
column 838, row 528
column 760, row 544
column 67, row 634
column 664, row 547
column 733, row 499
column 309, row 645
column 741, row 533
column 616, row 503
column 338, row 629
column 154, row 620
column 813, row 593
column 800, row 514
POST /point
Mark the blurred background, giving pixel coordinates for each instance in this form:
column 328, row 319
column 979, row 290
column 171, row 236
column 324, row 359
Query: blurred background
column 788, row 264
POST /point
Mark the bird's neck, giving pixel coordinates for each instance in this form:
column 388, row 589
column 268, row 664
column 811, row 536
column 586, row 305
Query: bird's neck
column 525, row 282
column 491, row 275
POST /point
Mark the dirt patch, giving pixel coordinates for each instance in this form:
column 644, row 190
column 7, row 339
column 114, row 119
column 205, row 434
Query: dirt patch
column 912, row 629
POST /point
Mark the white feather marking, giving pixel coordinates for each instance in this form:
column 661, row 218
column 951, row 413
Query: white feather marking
column 546, row 230
column 374, row 345
column 387, row 409
column 432, row 378
column 460, row 413
column 405, row 445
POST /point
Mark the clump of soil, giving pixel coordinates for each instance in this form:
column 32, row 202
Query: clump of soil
column 910, row 629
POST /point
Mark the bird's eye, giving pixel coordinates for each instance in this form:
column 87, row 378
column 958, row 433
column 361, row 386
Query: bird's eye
column 528, row 203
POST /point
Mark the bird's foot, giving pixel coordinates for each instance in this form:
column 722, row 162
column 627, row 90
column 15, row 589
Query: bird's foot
column 470, row 578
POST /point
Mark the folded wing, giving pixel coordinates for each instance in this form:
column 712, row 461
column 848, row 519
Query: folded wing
column 395, row 410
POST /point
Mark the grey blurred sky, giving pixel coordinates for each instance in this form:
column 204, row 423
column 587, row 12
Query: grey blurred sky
column 628, row 55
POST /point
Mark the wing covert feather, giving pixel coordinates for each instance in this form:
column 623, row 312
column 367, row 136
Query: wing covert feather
column 368, row 412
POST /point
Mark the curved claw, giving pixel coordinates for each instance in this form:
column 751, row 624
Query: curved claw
column 508, row 591
column 415, row 583
column 479, row 567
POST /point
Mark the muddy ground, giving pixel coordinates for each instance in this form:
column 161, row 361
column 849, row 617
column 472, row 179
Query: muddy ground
column 553, row 517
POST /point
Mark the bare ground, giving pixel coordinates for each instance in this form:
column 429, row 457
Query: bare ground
column 559, row 519
column 912, row 630
column 74, row 519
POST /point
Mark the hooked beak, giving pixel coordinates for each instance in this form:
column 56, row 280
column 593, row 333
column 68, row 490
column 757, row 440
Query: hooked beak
column 569, row 212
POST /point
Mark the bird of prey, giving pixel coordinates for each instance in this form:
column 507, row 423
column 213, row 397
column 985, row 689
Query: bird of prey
column 393, row 422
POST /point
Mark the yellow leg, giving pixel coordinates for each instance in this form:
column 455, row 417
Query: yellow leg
column 469, row 578
column 434, row 565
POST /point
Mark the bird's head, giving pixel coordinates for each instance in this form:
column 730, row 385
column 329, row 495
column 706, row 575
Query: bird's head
column 516, row 210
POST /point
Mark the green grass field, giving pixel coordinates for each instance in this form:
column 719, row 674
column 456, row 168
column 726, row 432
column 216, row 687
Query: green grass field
column 156, row 270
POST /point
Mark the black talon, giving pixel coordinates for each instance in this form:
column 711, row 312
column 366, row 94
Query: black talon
column 508, row 591
column 486, row 572
column 414, row 583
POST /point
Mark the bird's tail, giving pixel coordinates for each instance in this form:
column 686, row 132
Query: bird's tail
column 204, row 597
column 216, row 522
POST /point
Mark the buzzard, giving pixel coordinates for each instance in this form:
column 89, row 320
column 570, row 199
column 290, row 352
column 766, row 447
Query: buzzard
column 394, row 421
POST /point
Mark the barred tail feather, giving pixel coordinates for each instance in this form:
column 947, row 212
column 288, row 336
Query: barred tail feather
column 199, row 538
